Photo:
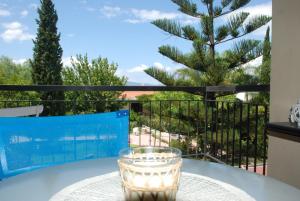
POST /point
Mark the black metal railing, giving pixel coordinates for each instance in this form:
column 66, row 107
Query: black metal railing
column 231, row 132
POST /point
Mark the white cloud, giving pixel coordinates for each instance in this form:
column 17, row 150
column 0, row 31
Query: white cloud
column 142, row 67
column 15, row 31
column 256, row 62
column 256, row 10
column 109, row 11
column 67, row 61
column 133, row 21
column 135, row 16
column 252, row 65
column 12, row 25
column 138, row 69
column 150, row 15
column 161, row 66
column 262, row 30
column 143, row 15
column 4, row 13
column 259, row 9
column 20, row 61
column 24, row 13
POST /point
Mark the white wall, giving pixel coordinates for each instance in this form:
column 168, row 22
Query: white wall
column 284, row 162
column 285, row 72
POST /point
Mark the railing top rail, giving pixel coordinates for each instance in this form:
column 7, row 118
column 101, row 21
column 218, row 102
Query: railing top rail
column 239, row 88
column 232, row 88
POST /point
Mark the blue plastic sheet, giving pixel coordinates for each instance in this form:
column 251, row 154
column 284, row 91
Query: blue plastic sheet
column 28, row 143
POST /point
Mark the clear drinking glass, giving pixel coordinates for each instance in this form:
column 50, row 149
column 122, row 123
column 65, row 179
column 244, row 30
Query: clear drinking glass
column 150, row 173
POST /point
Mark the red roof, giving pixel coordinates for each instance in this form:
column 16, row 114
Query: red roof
column 134, row 94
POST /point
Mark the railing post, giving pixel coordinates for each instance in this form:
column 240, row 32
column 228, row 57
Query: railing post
column 206, row 122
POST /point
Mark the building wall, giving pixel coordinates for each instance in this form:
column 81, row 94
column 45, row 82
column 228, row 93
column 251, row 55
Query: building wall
column 283, row 162
column 285, row 72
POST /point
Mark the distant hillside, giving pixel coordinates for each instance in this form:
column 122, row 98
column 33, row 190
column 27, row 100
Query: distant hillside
column 138, row 84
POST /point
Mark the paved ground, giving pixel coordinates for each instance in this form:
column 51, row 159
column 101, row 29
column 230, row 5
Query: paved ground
column 143, row 139
column 259, row 169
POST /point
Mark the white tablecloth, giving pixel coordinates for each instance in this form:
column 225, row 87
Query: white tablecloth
column 192, row 187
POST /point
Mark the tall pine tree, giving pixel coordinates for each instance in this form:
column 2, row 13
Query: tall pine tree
column 47, row 58
column 265, row 68
column 210, row 66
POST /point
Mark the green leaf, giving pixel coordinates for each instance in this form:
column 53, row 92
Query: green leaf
column 172, row 52
column 162, row 76
column 187, row 7
column 190, row 77
column 190, row 32
column 217, row 11
column 235, row 23
column 225, row 3
column 256, row 23
column 236, row 4
column 245, row 46
column 243, row 52
column 195, row 60
column 207, row 26
column 221, row 33
column 98, row 72
column 169, row 26
column 267, row 46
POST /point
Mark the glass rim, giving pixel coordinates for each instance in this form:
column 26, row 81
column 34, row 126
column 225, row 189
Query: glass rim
column 123, row 154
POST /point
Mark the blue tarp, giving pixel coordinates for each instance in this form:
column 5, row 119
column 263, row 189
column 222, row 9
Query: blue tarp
column 28, row 143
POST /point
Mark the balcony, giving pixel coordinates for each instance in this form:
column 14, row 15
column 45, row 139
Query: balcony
column 223, row 131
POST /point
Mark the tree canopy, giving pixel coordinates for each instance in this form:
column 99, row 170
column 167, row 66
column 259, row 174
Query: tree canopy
column 47, row 58
column 204, row 65
column 98, row 72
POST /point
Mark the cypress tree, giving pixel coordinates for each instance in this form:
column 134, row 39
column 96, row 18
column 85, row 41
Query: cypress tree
column 47, row 58
column 267, row 46
column 265, row 68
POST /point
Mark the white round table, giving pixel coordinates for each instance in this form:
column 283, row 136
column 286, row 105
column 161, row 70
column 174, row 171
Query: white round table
column 191, row 187
column 42, row 185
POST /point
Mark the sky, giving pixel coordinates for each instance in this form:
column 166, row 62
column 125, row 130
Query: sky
column 119, row 30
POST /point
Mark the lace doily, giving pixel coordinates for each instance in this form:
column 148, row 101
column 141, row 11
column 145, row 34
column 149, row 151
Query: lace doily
column 192, row 187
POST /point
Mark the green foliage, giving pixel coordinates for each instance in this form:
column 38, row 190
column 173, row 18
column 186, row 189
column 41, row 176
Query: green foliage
column 12, row 73
column 256, row 23
column 165, row 77
column 236, row 4
column 169, row 26
column 240, row 77
column 225, row 3
column 182, row 145
column 212, row 68
column 221, row 33
column 187, row 7
column 264, row 70
column 97, row 72
column 47, row 58
column 235, row 22
column 267, row 47
column 190, row 32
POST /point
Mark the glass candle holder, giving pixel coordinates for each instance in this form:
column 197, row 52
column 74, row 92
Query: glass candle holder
column 150, row 173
